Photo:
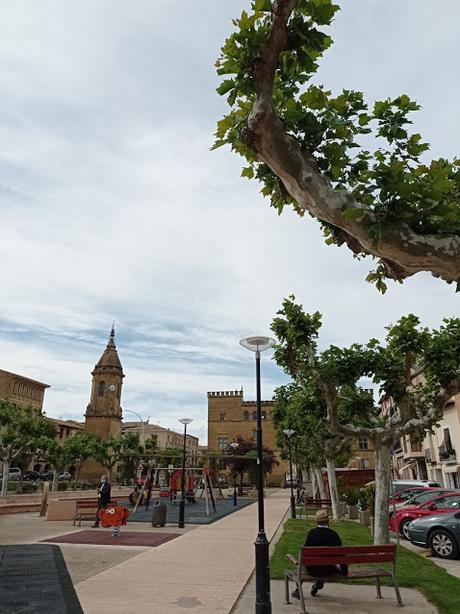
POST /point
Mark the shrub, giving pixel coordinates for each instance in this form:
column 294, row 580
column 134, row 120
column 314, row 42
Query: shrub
column 350, row 496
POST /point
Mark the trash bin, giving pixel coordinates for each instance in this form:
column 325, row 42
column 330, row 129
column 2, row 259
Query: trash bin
column 159, row 514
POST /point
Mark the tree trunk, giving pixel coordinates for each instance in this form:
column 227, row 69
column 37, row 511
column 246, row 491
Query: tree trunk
column 77, row 470
column 382, row 489
column 319, row 479
column 55, row 483
column 6, row 475
column 333, row 491
column 314, row 487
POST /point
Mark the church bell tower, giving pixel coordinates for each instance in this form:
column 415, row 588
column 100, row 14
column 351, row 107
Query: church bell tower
column 104, row 414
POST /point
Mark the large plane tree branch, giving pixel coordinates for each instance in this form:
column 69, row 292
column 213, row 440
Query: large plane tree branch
column 303, row 145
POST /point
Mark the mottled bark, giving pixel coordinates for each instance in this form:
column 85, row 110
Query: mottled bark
column 333, row 490
column 319, row 479
column 6, row 475
column 382, row 491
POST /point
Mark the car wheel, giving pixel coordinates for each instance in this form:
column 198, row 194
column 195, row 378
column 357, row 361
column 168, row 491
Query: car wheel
column 443, row 544
column 404, row 527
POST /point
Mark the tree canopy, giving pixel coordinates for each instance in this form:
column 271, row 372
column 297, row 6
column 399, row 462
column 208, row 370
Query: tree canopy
column 310, row 148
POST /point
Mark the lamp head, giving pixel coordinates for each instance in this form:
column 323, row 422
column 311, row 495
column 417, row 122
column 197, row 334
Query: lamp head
column 185, row 420
column 289, row 432
column 257, row 344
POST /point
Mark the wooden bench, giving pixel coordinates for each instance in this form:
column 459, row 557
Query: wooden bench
column 342, row 555
column 313, row 505
column 86, row 509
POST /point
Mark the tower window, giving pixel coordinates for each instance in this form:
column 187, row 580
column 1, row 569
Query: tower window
column 222, row 417
column 101, row 389
column 246, row 415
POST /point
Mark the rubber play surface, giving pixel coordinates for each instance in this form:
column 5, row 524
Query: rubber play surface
column 103, row 537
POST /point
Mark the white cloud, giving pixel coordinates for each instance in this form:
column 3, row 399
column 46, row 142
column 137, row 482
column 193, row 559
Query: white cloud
column 113, row 207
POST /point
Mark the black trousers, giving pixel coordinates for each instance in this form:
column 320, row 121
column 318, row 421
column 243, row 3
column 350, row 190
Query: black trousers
column 100, row 506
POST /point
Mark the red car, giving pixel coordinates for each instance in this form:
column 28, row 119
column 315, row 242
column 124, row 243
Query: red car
column 407, row 493
column 437, row 505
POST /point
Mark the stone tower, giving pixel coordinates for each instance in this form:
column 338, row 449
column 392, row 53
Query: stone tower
column 103, row 413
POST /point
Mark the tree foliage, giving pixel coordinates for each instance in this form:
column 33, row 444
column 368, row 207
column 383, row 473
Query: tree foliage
column 309, row 147
column 245, row 456
column 22, row 429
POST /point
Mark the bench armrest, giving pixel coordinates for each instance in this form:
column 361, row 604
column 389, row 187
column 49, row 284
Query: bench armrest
column 291, row 559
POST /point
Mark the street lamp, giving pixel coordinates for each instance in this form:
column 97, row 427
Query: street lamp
column 234, row 445
column 183, row 421
column 263, row 603
column 289, row 433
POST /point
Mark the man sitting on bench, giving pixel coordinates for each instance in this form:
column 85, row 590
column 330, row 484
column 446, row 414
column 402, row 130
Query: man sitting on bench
column 322, row 535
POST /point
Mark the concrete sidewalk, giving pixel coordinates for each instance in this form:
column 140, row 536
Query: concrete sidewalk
column 350, row 599
column 203, row 571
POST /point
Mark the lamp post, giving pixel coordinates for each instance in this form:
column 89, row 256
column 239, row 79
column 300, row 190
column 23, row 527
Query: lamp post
column 234, row 445
column 183, row 421
column 263, row 603
column 289, row 433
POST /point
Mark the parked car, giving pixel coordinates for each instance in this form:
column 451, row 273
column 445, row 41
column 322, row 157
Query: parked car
column 65, row 476
column 422, row 496
column 47, row 475
column 442, row 504
column 399, row 485
column 14, row 474
column 404, row 495
column 31, row 476
column 440, row 533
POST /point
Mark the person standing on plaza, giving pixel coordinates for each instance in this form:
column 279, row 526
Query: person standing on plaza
column 103, row 500
column 322, row 535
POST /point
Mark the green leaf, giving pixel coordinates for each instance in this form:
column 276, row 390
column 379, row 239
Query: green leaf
column 248, row 172
column 262, row 5
column 354, row 214
column 225, row 86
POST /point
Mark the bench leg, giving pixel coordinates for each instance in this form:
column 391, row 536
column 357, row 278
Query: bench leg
column 377, row 584
column 302, row 598
column 286, row 589
column 398, row 594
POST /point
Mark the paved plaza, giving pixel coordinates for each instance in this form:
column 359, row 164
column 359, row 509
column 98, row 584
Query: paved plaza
column 205, row 569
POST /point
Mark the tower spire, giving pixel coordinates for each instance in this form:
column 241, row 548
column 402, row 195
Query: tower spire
column 111, row 342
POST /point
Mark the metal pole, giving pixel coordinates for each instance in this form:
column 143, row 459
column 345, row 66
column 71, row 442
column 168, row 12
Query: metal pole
column 290, row 473
column 263, row 604
column 182, row 501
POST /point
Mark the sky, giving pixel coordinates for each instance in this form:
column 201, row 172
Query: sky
column 113, row 207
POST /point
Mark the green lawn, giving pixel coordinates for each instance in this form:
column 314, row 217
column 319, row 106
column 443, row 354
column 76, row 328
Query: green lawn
column 442, row 589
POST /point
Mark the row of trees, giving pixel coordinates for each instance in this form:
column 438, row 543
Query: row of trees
column 25, row 433
column 328, row 403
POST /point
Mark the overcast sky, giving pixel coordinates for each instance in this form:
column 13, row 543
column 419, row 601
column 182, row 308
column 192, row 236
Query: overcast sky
column 114, row 208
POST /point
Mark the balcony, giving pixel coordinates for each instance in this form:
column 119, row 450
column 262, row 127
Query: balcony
column 447, row 455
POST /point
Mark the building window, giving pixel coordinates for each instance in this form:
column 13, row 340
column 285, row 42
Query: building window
column 222, row 417
column 101, row 389
column 222, row 442
column 246, row 415
column 363, row 443
column 254, row 415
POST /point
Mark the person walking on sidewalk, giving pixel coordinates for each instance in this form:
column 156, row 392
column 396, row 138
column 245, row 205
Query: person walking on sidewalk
column 322, row 535
column 103, row 500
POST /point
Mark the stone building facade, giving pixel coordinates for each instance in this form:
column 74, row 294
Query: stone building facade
column 166, row 438
column 230, row 416
column 22, row 391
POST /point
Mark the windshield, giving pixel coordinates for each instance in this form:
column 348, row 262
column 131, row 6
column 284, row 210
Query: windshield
column 426, row 496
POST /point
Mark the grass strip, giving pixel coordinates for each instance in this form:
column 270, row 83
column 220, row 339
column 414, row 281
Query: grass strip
column 412, row 570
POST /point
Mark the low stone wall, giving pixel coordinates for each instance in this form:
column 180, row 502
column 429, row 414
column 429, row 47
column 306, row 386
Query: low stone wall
column 13, row 504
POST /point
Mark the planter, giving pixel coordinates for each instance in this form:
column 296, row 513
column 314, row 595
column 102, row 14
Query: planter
column 365, row 517
column 342, row 508
column 352, row 512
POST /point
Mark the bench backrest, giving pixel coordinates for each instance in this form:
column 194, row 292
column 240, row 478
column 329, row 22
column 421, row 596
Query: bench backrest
column 346, row 555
